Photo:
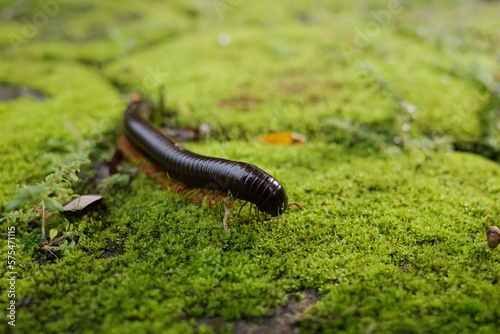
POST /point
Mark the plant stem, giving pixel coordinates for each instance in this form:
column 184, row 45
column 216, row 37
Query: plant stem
column 44, row 240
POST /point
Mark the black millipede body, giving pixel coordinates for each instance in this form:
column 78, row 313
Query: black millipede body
column 242, row 180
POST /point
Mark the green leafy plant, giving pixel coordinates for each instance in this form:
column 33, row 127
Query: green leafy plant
column 61, row 243
column 44, row 200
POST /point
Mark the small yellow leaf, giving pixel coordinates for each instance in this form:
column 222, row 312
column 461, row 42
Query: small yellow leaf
column 53, row 233
column 283, row 138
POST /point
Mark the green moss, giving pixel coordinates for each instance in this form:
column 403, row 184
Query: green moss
column 349, row 242
column 390, row 235
column 39, row 134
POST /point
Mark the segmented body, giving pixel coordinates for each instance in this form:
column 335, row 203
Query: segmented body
column 239, row 179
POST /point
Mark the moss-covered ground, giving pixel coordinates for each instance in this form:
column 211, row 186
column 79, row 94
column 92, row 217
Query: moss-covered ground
column 398, row 182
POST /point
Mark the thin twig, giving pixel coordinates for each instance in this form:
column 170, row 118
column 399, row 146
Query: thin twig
column 48, row 247
column 224, row 221
column 48, row 250
column 65, row 235
column 44, row 240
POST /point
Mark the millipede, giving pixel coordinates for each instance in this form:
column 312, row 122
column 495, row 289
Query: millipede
column 196, row 176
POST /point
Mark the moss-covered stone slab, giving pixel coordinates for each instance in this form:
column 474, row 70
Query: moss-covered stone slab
column 276, row 84
column 38, row 134
column 159, row 262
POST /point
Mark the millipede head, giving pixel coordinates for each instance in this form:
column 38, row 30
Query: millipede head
column 276, row 204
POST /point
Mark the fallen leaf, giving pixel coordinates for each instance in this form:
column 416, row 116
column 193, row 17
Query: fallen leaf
column 187, row 134
column 102, row 171
column 105, row 169
column 115, row 161
column 81, row 202
column 283, row 138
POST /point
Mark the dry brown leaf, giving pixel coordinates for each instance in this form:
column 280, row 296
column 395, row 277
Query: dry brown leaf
column 283, row 138
column 81, row 202
column 187, row 134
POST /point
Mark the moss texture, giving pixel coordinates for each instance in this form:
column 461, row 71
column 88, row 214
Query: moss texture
column 399, row 179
